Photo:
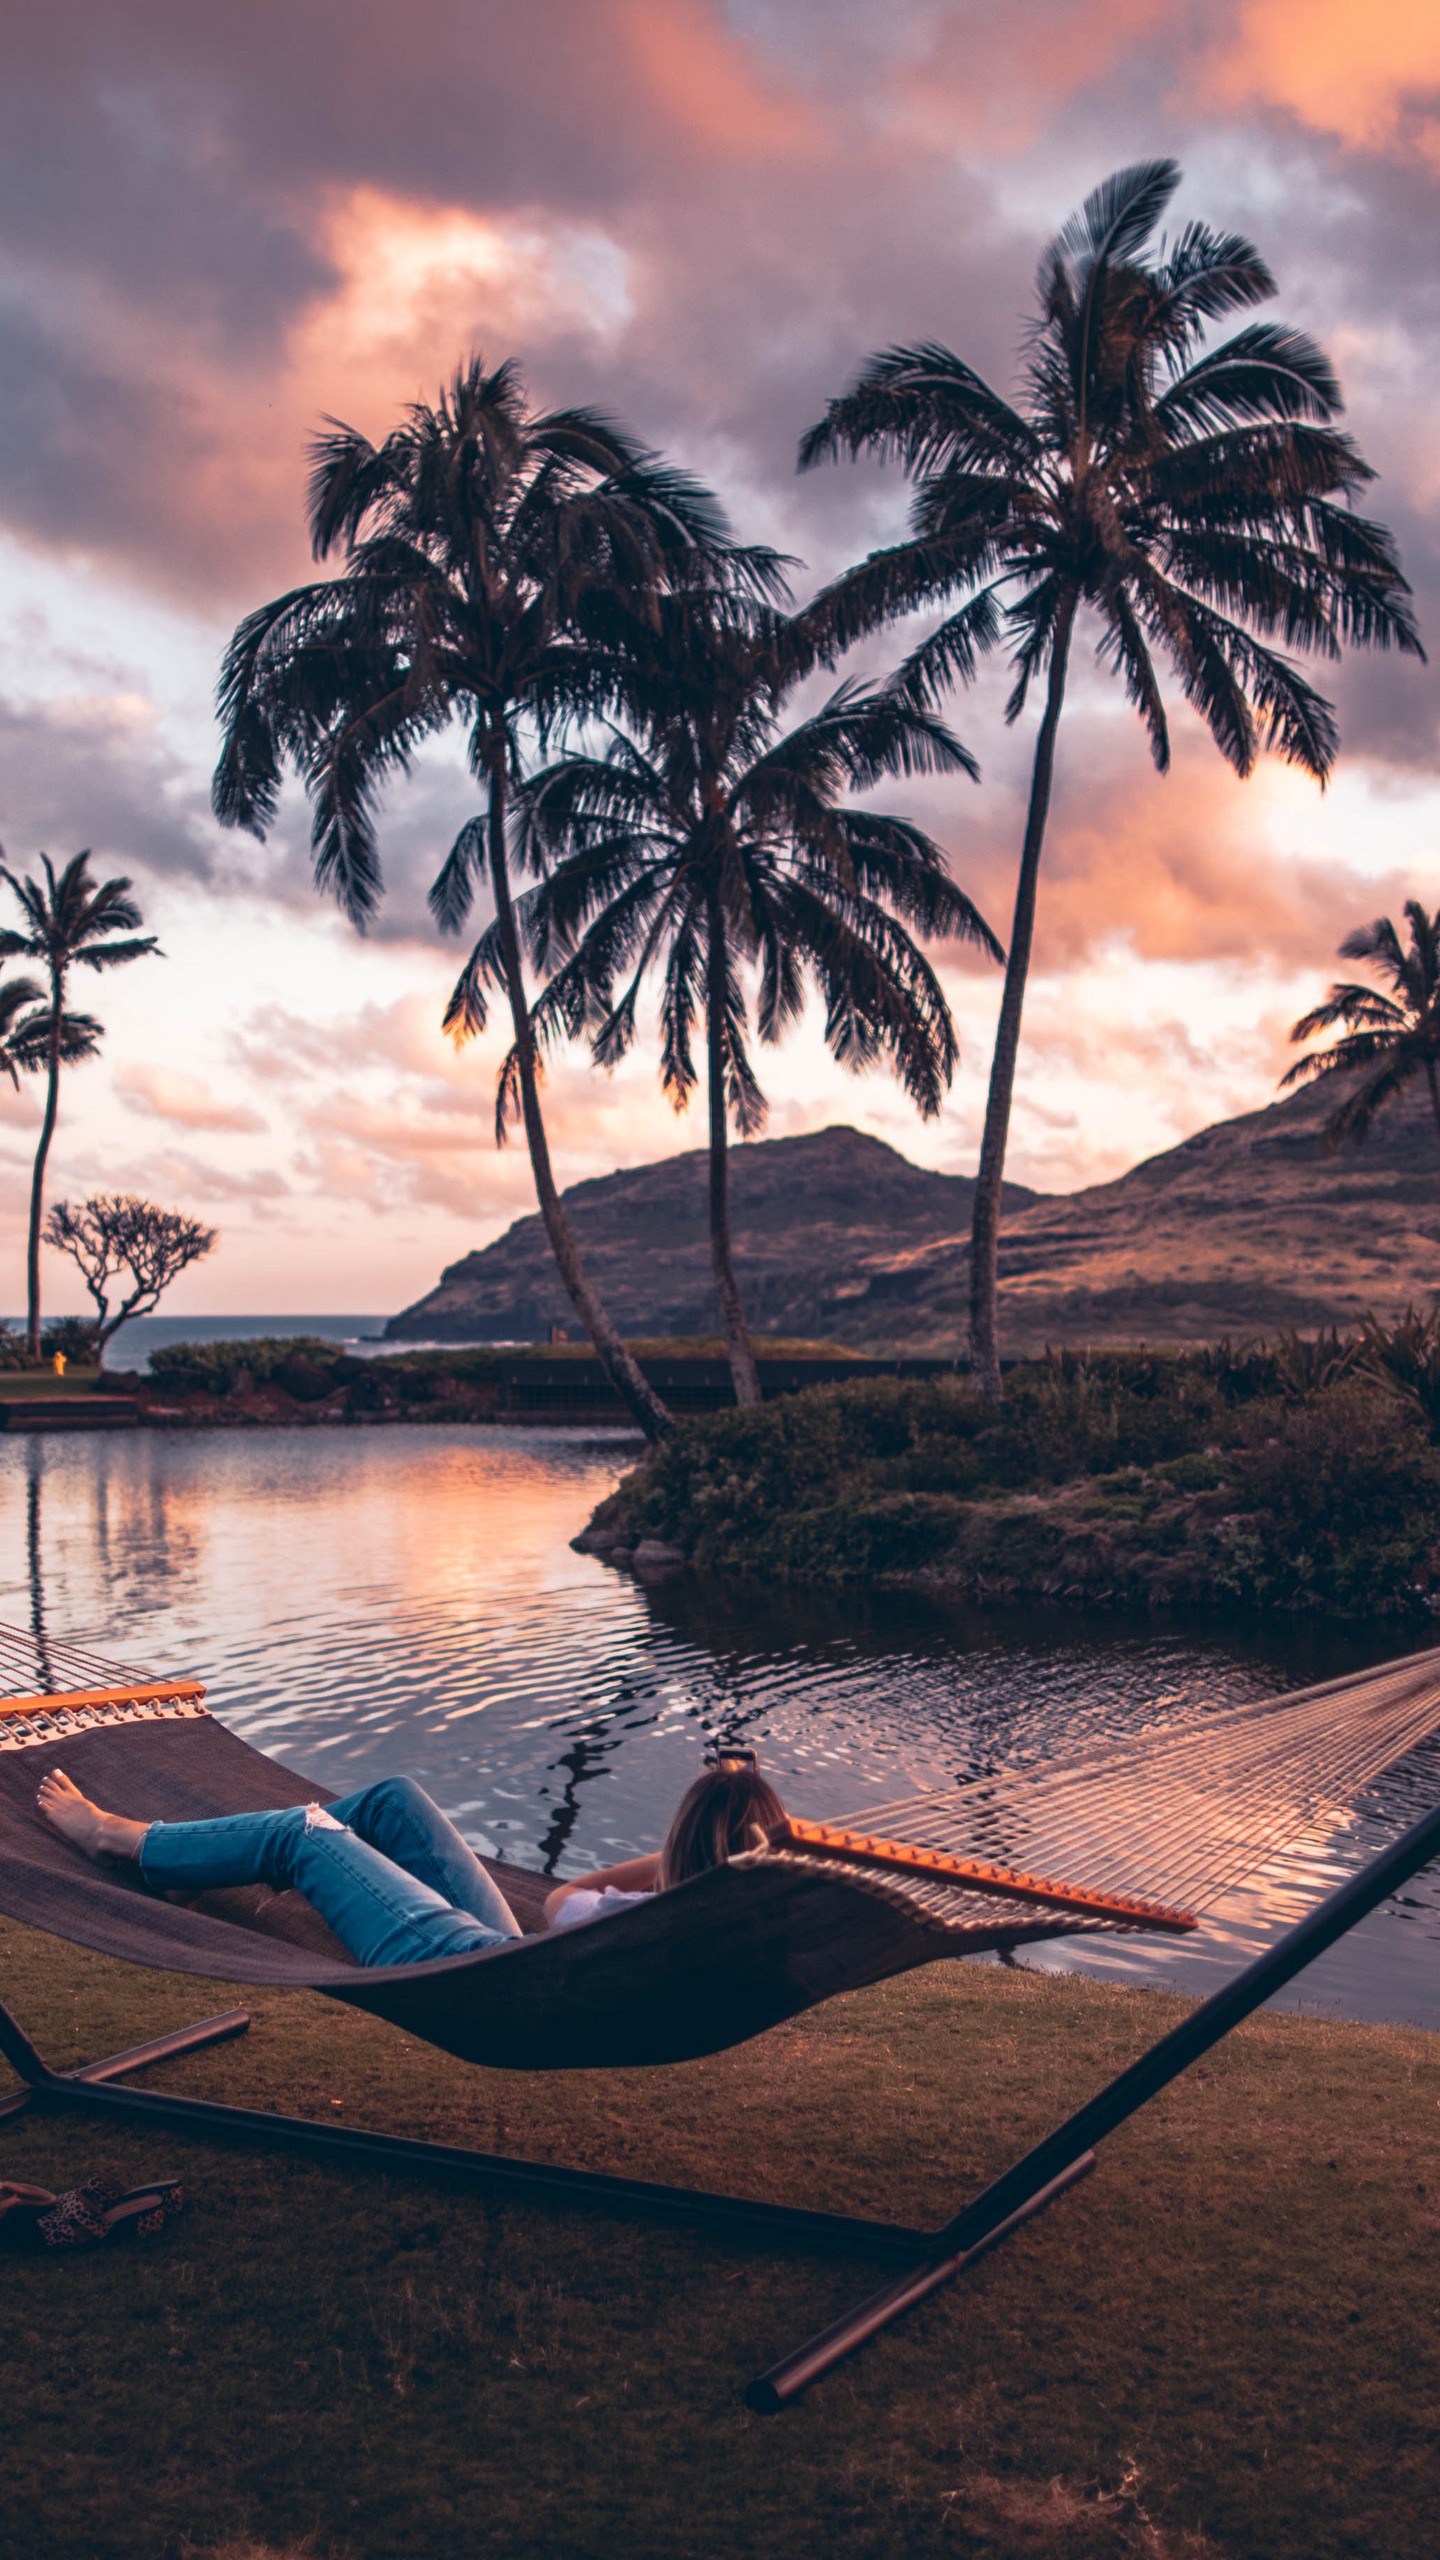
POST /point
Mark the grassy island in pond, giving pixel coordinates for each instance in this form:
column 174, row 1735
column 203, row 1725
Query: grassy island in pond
column 1281, row 1476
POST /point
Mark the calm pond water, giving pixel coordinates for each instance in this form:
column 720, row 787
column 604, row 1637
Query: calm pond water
column 405, row 1598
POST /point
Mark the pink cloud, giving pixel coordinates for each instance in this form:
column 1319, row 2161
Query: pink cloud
column 1174, row 872
column 993, row 78
column 179, row 1179
column 187, row 1102
column 706, row 81
column 1372, row 76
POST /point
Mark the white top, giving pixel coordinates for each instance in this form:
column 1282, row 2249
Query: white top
column 591, row 1905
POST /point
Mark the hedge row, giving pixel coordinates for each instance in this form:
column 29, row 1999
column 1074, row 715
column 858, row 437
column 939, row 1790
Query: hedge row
column 309, row 1370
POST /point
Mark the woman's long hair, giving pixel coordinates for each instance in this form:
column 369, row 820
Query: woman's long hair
column 727, row 1810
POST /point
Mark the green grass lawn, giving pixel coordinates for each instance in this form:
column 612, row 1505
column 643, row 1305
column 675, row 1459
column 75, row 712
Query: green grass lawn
column 1224, row 2343
column 15, row 1383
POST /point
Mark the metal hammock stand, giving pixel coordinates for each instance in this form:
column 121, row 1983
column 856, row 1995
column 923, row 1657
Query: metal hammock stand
column 1141, row 1837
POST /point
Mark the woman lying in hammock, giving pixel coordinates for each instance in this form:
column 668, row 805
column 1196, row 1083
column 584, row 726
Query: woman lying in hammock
column 388, row 1870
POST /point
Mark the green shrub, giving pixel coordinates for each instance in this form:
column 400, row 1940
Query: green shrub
column 1403, row 1361
column 419, row 1386
column 305, row 1378
column 1070, row 1415
column 1197, row 1472
column 1338, row 1509
column 309, row 1370
column 73, row 1336
column 1286, row 1476
column 212, row 1368
column 856, row 1540
column 478, row 1365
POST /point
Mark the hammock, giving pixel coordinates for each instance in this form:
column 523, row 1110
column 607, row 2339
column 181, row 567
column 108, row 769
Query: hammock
column 1156, row 1830
column 1144, row 1835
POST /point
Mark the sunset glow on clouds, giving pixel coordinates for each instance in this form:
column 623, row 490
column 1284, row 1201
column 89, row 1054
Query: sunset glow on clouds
column 220, row 225
column 1370, row 77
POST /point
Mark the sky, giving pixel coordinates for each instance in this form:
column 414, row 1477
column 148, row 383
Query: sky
column 219, row 226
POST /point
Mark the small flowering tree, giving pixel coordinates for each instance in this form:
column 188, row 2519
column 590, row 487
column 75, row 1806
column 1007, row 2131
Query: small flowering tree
column 117, row 1238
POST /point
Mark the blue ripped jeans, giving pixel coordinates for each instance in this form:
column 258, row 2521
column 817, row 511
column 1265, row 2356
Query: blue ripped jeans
column 384, row 1867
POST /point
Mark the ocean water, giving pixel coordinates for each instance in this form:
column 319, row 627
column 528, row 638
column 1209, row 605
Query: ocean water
column 405, row 1598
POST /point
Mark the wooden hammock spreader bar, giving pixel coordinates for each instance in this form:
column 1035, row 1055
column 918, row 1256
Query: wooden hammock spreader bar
column 131, row 1693
column 977, row 1874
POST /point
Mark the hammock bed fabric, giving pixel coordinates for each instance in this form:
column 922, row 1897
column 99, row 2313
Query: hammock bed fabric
column 1154, row 1830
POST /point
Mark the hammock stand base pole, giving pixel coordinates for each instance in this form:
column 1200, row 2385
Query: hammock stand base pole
column 37, row 2076
column 1053, row 2164
column 747, row 2217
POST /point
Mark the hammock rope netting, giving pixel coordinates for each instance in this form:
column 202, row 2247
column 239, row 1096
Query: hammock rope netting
column 1159, row 1827
column 1182, row 1815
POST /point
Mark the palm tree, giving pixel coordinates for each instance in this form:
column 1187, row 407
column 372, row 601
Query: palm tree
column 714, row 842
column 72, row 921
column 22, row 1043
column 1197, row 502
column 487, row 551
column 1395, row 1037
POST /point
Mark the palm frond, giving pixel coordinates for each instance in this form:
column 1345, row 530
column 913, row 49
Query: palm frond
column 1389, row 1039
column 1207, row 274
column 81, row 1036
column 452, row 891
column 1267, row 370
column 1123, row 646
column 951, row 655
column 1119, row 215
column 907, row 577
column 467, row 1011
column 923, row 407
column 1241, row 689
column 1364, row 1009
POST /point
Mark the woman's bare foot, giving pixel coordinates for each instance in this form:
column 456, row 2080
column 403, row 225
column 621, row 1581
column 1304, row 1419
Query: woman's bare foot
column 100, row 1835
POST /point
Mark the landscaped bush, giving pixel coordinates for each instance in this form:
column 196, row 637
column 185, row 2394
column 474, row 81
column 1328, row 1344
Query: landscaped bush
column 1338, row 1509
column 305, row 1377
column 74, row 1337
column 212, row 1368
column 1403, row 1360
column 371, row 1391
column 309, row 1370
column 1286, row 1476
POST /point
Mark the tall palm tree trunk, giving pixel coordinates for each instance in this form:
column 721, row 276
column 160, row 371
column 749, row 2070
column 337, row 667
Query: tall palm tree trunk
column 727, row 1288
column 1434, row 1084
column 985, row 1212
column 625, row 1373
column 37, row 1178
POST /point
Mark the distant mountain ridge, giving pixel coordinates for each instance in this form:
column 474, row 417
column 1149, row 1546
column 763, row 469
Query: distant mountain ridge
column 1249, row 1226
column 814, row 1219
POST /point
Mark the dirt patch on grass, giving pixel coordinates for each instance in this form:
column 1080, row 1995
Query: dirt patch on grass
column 1060, row 2520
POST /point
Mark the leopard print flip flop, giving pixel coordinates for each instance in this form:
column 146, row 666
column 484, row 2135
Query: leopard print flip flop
column 33, row 2221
